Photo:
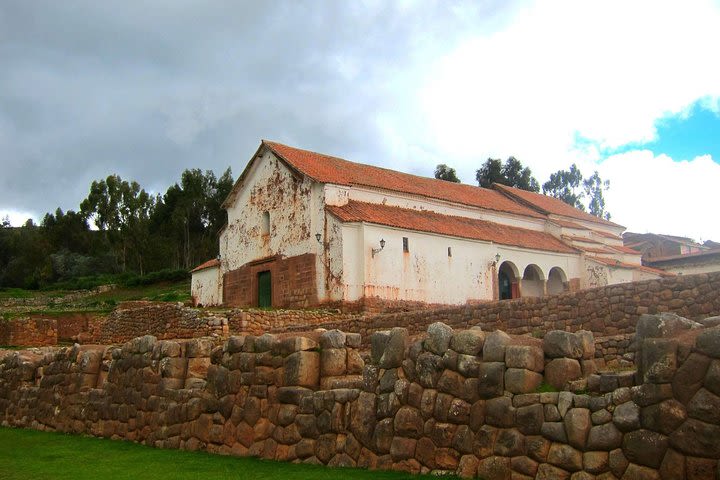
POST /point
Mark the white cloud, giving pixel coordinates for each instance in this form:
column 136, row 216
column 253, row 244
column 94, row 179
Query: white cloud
column 17, row 218
column 656, row 194
column 603, row 72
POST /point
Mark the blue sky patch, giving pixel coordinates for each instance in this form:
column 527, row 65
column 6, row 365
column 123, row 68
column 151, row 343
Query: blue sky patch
column 683, row 137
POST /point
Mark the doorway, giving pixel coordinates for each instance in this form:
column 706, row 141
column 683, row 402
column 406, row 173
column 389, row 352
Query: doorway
column 264, row 289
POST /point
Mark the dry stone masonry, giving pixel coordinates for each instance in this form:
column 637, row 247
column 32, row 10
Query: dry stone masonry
column 469, row 402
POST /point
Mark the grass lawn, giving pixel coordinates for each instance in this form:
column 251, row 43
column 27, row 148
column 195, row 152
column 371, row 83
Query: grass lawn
column 31, row 455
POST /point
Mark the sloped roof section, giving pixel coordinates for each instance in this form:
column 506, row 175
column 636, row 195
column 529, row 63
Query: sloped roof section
column 425, row 221
column 328, row 169
column 209, row 264
column 550, row 205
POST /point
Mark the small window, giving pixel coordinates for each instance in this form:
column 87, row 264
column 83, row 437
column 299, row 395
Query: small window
column 449, row 251
column 406, row 245
column 266, row 223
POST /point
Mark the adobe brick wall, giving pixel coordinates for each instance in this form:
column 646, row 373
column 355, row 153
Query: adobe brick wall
column 293, row 283
column 29, row 332
column 463, row 402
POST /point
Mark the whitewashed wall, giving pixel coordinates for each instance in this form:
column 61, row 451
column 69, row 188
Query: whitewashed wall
column 426, row 273
column 206, row 287
column 293, row 205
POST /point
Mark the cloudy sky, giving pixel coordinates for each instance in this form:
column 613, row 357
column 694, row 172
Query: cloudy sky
column 147, row 89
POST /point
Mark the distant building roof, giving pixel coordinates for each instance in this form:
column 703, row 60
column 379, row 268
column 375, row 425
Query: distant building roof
column 425, row 221
column 618, row 264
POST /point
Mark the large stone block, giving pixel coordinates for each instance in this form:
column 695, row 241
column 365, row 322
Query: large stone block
column 468, row 342
column 520, row 380
column 408, row 422
column 705, row 406
column 626, row 416
column 665, row 417
column 530, row 418
column 428, row 368
column 378, row 342
column 604, row 437
column 525, row 356
column 558, row 344
column 491, row 379
column 302, row 369
column 663, row 325
column 577, row 426
column 494, row 346
column 333, row 362
column 695, row 437
column 565, row 457
column 438, row 338
column 658, row 360
column 394, row 353
column 332, row 339
column 499, row 412
column 645, row 447
column 560, row 371
column 708, row 342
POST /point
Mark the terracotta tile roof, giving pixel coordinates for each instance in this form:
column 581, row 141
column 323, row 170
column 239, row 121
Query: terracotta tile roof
column 624, row 249
column 630, row 266
column 210, row 263
column 581, row 239
column 550, row 205
column 566, row 224
column 607, row 235
column 425, row 221
column 328, row 169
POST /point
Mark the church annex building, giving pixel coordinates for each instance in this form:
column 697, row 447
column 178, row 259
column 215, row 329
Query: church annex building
column 306, row 229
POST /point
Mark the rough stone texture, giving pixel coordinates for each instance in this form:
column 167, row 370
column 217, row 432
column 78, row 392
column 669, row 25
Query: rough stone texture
column 394, row 352
column 494, row 347
column 560, row 371
column 645, row 447
column 438, row 338
column 558, row 344
column 524, row 356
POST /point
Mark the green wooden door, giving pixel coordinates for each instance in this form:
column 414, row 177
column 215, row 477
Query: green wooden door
column 264, row 289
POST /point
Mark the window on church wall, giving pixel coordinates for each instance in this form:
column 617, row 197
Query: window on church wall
column 406, row 245
column 266, row 223
column 449, row 251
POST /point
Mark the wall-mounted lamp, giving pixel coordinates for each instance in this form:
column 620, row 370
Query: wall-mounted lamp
column 377, row 250
column 497, row 259
column 218, row 257
column 318, row 237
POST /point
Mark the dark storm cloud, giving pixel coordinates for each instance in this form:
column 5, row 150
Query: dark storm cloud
column 147, row 89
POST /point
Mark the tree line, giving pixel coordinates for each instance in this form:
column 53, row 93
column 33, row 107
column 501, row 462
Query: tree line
column 586, row 194
column 120, row 228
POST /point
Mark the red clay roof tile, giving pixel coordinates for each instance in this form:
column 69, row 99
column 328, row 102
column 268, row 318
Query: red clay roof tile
column 328, row 169
column 425, row 221
column 210, row 263
column 619, row 264
column 551, row 205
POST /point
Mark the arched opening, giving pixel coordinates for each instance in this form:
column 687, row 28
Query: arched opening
column 557, row 281
column 508, row 281
column 533, row 282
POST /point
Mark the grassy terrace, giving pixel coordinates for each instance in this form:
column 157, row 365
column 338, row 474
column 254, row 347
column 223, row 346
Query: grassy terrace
column 56, row 302
column 30, row 455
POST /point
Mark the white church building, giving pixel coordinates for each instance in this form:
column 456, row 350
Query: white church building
column 306, row 229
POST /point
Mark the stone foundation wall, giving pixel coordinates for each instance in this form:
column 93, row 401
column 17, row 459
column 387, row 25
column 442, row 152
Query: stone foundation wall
column 605, row 311
column 162, row 319
column 467, row 402
column 257, row 322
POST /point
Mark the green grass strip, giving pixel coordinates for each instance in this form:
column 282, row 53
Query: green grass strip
column 31, row 455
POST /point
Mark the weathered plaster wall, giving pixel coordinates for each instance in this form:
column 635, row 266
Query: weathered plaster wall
column 206, row 287
column 292, row 204
column 427, row 273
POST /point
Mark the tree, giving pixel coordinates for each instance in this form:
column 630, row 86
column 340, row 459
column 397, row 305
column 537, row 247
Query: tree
column 443, row 172
column 594, row 187
column 122, row 210
column 512, row 173
column 563, row 184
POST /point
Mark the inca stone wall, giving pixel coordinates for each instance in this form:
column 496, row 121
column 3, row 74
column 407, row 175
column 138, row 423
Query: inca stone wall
column 464, row 401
